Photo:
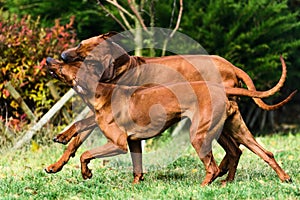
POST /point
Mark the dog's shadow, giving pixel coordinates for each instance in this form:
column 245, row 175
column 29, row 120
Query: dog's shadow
column 167, row 176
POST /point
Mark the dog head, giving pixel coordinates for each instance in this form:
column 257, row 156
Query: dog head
column 63, row 71
column 79, row 75
column 84, row 48
column 101, row 52
column 83, row 76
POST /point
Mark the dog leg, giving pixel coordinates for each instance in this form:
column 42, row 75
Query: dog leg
column 70, row 152
column 206, row 156
column 232, row 157
column 107, row 150
column 244, row 136
column 77, row 127
column 135, row 148
column 211, row 169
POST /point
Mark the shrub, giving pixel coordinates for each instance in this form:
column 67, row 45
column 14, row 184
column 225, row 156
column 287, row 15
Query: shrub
column 24, row 46
column 251, row 34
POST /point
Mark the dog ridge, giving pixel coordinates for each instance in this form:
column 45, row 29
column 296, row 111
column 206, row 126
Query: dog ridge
column 241, row 136
column 84, row 50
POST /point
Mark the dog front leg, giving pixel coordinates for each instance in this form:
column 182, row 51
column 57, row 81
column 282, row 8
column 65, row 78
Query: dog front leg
column 70, row 152
column 137, row 160
column 74, row 129
column 107, row 150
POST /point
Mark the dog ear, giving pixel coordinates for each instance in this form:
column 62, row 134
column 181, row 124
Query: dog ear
column 105, row 59
column 118, row 57
column 110, row 34
column 116, row 37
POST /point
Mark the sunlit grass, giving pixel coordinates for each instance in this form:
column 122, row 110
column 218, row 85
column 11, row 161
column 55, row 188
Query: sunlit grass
column 22, row 176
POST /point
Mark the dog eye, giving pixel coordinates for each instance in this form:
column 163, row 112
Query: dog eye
column 79, row 46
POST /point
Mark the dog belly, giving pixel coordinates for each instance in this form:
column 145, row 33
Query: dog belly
column 151, row 130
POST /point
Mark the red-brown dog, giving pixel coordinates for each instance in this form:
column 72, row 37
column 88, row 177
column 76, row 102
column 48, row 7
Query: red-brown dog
column 116, row 66
column 122, row 113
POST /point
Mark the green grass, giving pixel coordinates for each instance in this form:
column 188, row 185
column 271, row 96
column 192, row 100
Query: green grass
column 22, row 176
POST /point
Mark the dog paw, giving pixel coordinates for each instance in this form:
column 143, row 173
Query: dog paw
column 51, row 169
column 61, row 138
column 289, row 180
column 138, row 178
column 223, row 183
column 87, row 174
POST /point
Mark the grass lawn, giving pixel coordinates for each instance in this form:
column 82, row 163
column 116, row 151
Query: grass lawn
column 22, row 176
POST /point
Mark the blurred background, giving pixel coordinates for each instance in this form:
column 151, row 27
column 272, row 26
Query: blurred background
column 251, row 34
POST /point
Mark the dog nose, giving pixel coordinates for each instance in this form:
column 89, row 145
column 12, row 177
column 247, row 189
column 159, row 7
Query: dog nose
column 49, row 60
column 63, row 56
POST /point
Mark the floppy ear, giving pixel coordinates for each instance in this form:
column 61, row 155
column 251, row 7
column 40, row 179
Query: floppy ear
column 109, row 34
column 105, row 59
column 116, row 37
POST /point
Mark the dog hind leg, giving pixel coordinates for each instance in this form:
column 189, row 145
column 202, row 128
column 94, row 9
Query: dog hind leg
column 232, row 157
column 244, row 136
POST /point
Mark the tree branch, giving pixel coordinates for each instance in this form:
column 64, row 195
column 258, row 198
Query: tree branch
column 132, row 6
column 116, row 4
column 178, row 18
column 172, row 13
column 111, row 15
column 175, row 28
column 123, row 17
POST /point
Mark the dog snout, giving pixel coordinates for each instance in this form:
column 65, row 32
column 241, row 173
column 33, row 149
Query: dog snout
column 49, row 60
column 64, row 56
column 69, row 55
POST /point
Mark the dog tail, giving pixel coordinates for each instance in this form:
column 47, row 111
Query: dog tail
column 257, row 95
column 257, row 99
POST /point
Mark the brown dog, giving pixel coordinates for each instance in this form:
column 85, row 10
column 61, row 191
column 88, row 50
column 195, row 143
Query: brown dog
column 115, row 65
column 206, row 122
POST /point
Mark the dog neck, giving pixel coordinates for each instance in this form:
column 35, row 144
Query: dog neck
column 102, row 95
column 106, row 91
column 133, row 62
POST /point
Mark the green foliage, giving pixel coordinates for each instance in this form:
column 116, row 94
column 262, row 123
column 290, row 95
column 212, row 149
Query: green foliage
column 24, row 46
column 251, row 34
column 156, row 142
column 90, row 19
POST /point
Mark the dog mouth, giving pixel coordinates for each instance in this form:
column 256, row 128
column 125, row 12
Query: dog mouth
column 53, row 74
column 51, row 63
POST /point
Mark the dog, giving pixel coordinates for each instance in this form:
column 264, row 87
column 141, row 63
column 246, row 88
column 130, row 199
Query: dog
column 117, row 66
column 119, row 133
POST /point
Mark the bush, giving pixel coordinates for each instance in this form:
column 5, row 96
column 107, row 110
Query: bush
column 24, row 46
column 251, row 34
column 90, row 19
